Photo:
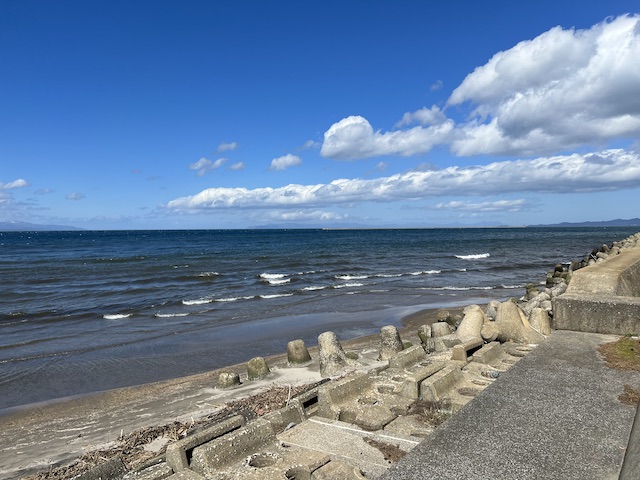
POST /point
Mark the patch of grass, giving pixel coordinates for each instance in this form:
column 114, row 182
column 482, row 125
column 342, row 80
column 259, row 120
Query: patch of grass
column 432, row 413
column 631, row 396
column 623, row 354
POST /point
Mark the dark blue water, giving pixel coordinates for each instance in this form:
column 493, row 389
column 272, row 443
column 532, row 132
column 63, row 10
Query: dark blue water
column 87, row 311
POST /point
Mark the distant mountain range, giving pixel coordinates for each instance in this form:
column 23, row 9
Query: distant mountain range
column 13, row 226
column 632, row 222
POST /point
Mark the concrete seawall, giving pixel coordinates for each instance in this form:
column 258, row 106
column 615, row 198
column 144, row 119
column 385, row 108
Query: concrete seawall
column 604, row 297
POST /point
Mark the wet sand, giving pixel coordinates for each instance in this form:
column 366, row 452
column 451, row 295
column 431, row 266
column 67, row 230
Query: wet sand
column 38, row 436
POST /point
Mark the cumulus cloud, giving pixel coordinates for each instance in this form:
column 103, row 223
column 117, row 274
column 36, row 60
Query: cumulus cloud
column 562, row 89
column 19, row 183
column 607, row 170
column 495, row 206
column 424, row 116
column 354, row 138
column 284, row 162
column 76, row 196
column 204, row 165
column 225, row 147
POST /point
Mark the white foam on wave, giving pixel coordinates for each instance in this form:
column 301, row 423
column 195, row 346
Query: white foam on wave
column 208, row 274
column 234, row 299
column 271, row 276
column 511, row 287
column 351, row 277
column 116, row 316
column 312, row 288
column 426, row 272
column 267, row 297
column 475, row 256
column 388, row 275
column 347, row 285
column 278, row 281
column 171, row 315
column 199, row 301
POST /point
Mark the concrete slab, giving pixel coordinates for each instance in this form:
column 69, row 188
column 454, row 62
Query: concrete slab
column 345, row 442
column 553, row 415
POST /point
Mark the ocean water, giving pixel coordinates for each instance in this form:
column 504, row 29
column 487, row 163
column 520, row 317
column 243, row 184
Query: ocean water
column 85, row 311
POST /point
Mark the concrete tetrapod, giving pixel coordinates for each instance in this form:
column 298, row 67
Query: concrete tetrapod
column 332, row 358
column 514, row 326
column 390, row 342
column 298, row 354
column 472, row 322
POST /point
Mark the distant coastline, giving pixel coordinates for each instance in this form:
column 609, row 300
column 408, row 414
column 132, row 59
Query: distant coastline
column 16, row 226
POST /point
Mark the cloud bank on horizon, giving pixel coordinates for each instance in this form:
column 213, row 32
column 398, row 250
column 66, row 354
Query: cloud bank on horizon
column 563, row 90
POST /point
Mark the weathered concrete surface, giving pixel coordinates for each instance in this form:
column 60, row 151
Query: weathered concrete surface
column 554, row 415
column 603, row 298
column 631, row 465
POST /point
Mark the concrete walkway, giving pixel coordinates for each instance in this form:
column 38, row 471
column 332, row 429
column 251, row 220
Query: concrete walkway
column 554, row 415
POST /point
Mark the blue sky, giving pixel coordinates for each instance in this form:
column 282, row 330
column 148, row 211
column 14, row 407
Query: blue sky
column 197, row 114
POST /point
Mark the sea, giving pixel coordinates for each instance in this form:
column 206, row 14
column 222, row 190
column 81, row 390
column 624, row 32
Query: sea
column 87, row 311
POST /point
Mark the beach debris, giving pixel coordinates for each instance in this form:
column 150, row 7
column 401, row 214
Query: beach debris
column 227, row 380
column 257, row 368
column 333, row 359
column 390, row 342
column 298, row 354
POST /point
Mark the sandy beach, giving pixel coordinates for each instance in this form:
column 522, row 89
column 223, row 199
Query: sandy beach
column 39, row 436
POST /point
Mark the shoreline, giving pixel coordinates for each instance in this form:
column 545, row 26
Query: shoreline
column 40, row 435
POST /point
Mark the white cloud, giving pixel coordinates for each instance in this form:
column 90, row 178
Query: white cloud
column 76, row 196
column 495, row 206
column 205, row 165
column 224, row 147
column 436, row 86
column 354, row 138
column 562, row 89
column 310, row 144
column 607, row 170
column 19, row 183
column 237, row 166
column 424, row 116
column 284, row 162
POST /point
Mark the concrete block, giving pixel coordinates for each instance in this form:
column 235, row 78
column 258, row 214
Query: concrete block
column 488, row 354
column 178, row 452
column 461, row 351
column 410, row 387
column 374, row 417
column 336, row 469
column 186, row 475
column 438, row 385
column 291, row 414
column 223, row 450
column 408, row 357
column 332, row 394
column 597, row 313
column 309, row 401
